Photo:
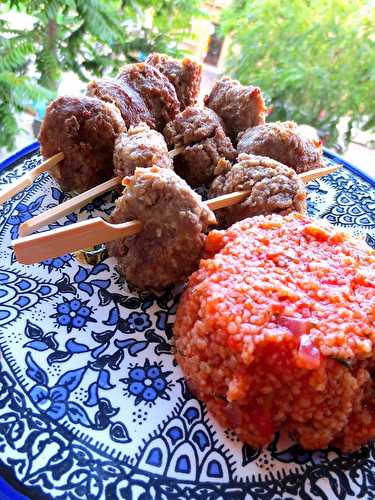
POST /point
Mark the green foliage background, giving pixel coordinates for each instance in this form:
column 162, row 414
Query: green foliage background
column 315, row 59
column 85, row 36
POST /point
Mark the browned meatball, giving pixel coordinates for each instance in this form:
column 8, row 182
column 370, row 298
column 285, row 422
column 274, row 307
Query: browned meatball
column 201, row 132
column 140, row 147
column 283, row 142
column 84, row 129
column 132, row 108
column 192, row 125
column 155, row 89
column 240, row 107
column 174, row 218
column 185, row 76
column 274, row 188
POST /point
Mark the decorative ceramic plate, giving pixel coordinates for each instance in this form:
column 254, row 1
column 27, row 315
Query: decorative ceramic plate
column 92, row 403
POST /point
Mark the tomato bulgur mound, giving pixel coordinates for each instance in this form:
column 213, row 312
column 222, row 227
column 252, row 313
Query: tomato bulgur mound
column 276, row 330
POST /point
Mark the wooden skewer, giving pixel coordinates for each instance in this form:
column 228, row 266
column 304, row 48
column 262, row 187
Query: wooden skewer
column 318, row 172
column 176, row 151
column 27, row 179
column 81, row 200
column 88, row 233
column 85, row 234
column 67, row 207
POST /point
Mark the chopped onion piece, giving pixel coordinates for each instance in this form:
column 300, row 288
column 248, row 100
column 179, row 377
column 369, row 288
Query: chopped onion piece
column 308, row 354
column 298, row 326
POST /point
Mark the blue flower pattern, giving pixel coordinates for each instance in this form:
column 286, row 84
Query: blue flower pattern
column 139, row 321
column 57, row 262
column 50, row 401
column 73, row 314
column 100, row 363
column 147, row 383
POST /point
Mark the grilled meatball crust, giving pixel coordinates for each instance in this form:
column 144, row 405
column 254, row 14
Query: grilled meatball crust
column 155, row 89
column 174, row 219
column 274, row 188
column 282, row 141
column 130, row 104
column 140, row 146
column 185, row 76
column 240, row 107
column 84, row 129
column 200, row 131
column 192, row 125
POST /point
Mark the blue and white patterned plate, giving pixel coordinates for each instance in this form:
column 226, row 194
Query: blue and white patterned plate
column 92, row 403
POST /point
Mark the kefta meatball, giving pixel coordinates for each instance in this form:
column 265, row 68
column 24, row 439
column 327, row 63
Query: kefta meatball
column 140, row 147
column 174, row 219
column 274, row 188
column 155, row 89
column 130, row 104
column 185, row 76
column 240, row 107
column 201, row 133
column 85, row 130
column 282, row 141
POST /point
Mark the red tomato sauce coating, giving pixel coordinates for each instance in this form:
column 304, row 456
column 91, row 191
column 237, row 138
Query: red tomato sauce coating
column 276, row 331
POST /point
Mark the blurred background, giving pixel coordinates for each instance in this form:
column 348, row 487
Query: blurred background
column 313, row 59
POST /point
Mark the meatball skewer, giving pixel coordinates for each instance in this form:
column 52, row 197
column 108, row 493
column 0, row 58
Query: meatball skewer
column 139, row 147
column 273, row 188
column 41, row 246
column 238, row 106
column 134, row 157
column 85, row 130
column 77, row 139
column 200, row 132
column 185, row 76
column 283, row 142
column 141, row 93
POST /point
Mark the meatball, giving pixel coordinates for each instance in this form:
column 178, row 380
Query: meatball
column 240, row 107
column 276, row 331
column 85, row 130
column 274, row 188
column 132, row 108
column 192, row 125
column 174, row 218
column 282, row 141
column 205, row 143
column 185, row 76
column 140, row 147
column 155, row 89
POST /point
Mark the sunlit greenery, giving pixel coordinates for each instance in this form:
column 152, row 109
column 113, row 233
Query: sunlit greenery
column 315, row 59
column 89, row 37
